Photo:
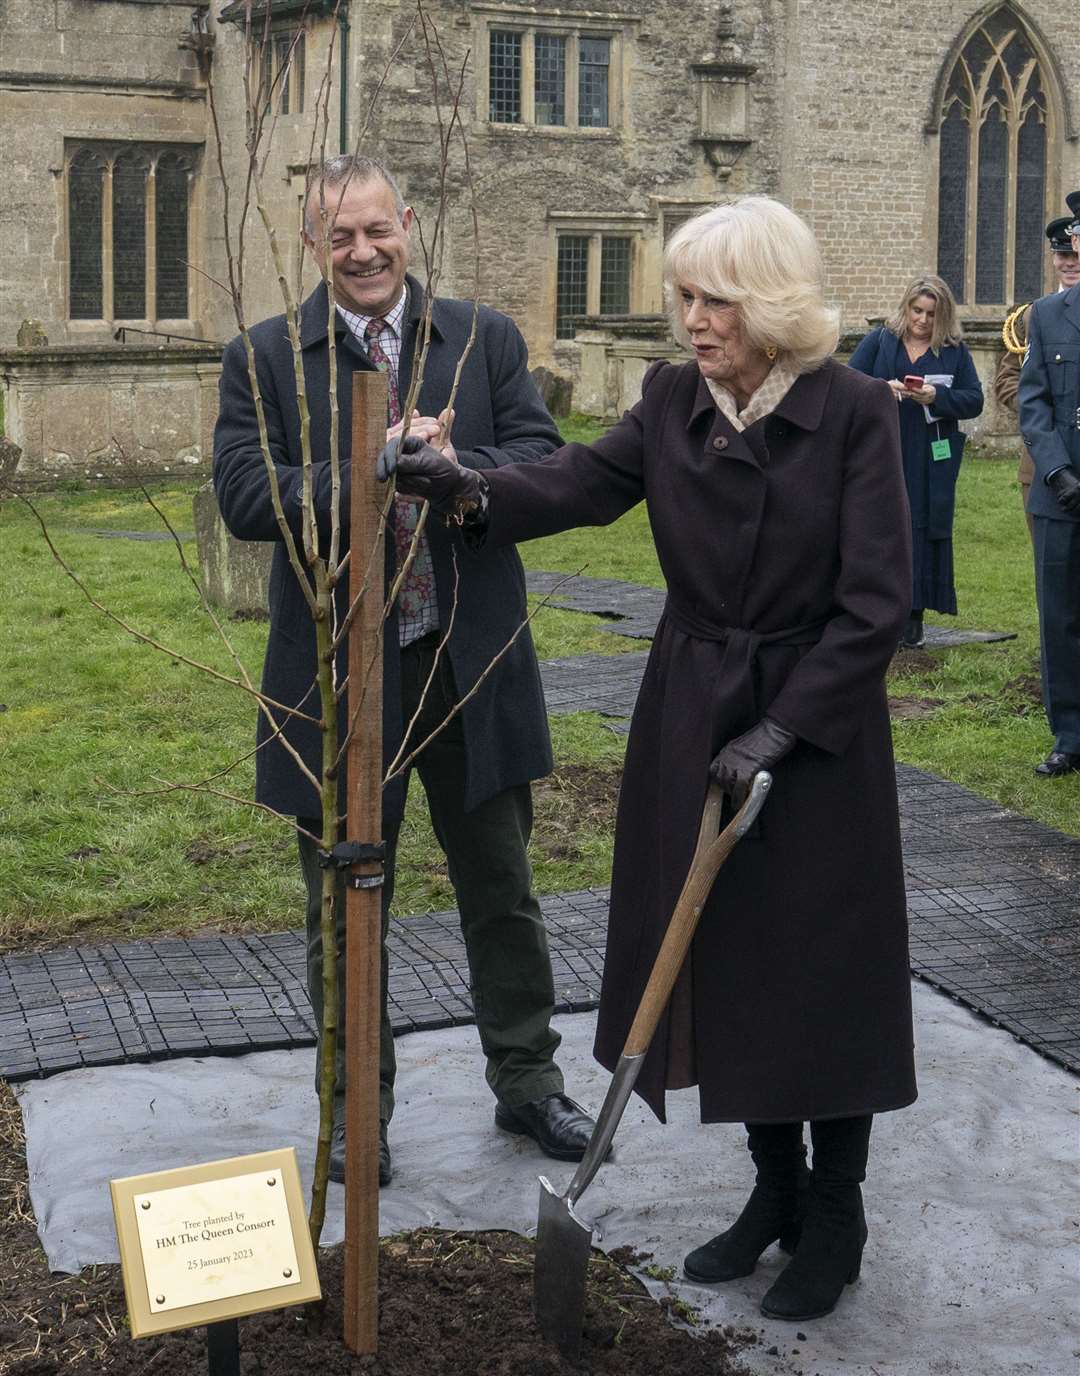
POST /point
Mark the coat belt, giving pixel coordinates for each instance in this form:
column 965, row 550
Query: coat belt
column 741, row 647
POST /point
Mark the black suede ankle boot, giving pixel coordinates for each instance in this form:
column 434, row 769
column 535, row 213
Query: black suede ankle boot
column 829, row 1253
column 772, row 1213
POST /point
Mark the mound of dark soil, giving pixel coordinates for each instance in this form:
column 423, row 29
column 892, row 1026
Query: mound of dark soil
column 451, row 1304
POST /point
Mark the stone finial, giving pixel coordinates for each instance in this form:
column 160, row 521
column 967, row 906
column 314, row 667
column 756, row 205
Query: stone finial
column 725, row 24
column 31, row 335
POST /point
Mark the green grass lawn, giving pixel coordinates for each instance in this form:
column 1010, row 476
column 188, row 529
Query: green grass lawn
column 91, row 722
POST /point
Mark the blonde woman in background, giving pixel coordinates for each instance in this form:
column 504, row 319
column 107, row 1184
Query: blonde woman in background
column 928, row 367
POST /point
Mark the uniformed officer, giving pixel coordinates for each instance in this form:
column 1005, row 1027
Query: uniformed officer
column 1014, row 337
column 1050, row 424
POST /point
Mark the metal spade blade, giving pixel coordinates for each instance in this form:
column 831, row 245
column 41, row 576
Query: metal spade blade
column 563, row 1240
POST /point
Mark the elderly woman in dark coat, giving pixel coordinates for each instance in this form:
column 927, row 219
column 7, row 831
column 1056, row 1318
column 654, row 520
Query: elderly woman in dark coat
column 775, row 492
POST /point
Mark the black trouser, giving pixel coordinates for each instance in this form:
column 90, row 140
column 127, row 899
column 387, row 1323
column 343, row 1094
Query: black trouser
column 505, row 940
column 1057, row 586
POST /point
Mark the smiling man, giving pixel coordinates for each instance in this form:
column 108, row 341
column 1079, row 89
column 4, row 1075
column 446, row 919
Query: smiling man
column 477, row 772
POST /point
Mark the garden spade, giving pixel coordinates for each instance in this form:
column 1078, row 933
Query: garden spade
column 563, row 1239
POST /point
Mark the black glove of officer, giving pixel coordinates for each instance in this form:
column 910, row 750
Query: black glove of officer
column 1065, row 486
column 759, row 748
column 425, row 473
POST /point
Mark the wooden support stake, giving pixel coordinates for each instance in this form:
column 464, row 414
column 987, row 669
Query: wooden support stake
column 363, row 906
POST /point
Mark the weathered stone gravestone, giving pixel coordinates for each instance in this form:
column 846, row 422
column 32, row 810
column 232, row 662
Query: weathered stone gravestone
column 10, row 454
column 236, row 573
column 557, row 391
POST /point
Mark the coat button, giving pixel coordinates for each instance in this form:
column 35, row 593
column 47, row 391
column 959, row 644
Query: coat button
column 1057, row 358
column 719, row 443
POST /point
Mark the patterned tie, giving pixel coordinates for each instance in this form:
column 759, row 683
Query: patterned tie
column 375, row 327
column 417, row 604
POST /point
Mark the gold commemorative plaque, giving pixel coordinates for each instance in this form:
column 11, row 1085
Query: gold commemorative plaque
column 216, row 1241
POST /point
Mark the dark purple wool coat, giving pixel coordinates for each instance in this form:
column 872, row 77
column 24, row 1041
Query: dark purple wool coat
column 786, row 551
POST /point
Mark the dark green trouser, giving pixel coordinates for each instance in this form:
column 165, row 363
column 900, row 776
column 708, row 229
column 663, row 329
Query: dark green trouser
column 505, row 941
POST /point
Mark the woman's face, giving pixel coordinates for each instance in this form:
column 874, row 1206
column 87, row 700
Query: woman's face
column 920, row 316
column 716, row 334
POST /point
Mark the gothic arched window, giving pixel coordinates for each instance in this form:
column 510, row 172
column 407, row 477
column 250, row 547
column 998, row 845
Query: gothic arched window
column 992, row 179
column 128, row 242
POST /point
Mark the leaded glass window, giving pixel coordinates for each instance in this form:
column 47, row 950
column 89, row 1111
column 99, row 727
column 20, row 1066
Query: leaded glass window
column 593, row 63
column 615, row 275
column 504, row 77
column 128, row 232
column 550, row 81
column 171, row 206
column 86, row 181
column 129, row 236
column 1030, row 203
column 543, row 75
column 282, row 72
column 992, row 179
column 572, row 282
column 594, row 274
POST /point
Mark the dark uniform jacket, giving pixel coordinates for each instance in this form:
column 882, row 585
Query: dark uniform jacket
column 1050, row 396
column 500, row 420
column 786, row 550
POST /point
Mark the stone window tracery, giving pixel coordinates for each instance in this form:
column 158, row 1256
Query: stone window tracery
column 994, row 143
column 128, row 214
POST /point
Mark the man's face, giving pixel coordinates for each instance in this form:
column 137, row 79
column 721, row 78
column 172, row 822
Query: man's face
column 1067, row 265
column 369, row 244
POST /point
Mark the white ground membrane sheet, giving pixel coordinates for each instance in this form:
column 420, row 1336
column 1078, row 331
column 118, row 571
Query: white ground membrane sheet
column 971, row 1266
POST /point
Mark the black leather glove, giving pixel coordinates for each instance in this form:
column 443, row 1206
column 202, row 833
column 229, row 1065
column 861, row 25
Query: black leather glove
column 1065, row 486
column 759, row 748
column 423, row 472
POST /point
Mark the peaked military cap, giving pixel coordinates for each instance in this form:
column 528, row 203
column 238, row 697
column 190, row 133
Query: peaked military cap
column 1072, row 200
column 1059, row 233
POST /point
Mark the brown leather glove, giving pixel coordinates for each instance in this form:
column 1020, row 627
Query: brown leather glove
column 763, row 746
column 421, row 471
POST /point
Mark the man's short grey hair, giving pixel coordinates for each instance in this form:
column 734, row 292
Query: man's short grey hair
column 760, row 257
column 350, row 168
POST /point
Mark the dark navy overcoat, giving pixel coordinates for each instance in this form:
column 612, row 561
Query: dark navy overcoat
column 1048, row 396
column 500, row 420
column 786, row 551
column 931, row 484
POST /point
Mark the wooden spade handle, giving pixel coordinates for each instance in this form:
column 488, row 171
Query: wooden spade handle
column 711, row 852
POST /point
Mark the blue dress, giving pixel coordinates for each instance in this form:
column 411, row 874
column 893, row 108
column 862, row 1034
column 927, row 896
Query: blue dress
column 930, row 482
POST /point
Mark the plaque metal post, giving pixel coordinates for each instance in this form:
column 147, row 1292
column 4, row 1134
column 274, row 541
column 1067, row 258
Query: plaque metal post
column 223, row 1348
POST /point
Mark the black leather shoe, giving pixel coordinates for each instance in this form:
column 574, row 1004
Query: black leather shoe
column 337, row 1155
column 913, row 637
column 556, row 1124
column 1058, row 762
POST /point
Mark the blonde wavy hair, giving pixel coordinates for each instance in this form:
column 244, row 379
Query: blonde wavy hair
column 761, row 257
column 947, row 328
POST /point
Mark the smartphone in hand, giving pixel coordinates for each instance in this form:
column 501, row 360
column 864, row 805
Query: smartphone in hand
column 914, row 383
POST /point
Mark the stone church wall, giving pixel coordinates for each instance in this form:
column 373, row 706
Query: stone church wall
column 830, row 107
column 77, row 70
